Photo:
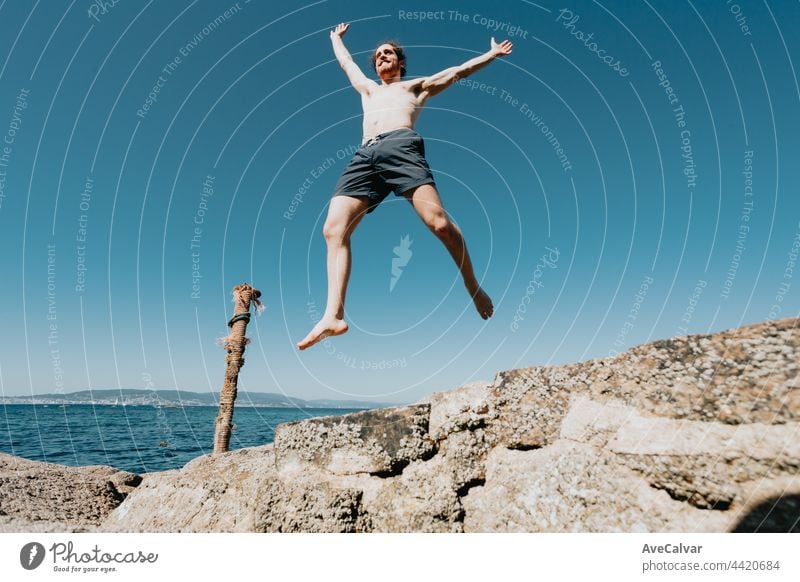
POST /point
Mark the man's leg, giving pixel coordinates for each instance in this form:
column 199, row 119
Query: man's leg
column 428, row 205
column 344, row 214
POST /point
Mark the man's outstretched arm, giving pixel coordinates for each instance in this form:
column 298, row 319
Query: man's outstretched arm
column 359, row 81
column 442, row 80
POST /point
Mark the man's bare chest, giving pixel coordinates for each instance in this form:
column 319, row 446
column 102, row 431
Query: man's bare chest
column 384, row 98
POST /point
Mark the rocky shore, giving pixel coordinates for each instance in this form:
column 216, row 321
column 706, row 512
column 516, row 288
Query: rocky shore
column 691, row 434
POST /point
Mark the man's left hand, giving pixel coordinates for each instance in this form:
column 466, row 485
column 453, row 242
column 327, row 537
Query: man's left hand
column 502, row 49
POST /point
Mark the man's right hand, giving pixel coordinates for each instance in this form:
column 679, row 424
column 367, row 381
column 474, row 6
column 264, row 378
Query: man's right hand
column 340, row 30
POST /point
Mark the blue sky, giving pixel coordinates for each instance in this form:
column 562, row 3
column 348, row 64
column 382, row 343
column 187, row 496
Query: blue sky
column 626, row 175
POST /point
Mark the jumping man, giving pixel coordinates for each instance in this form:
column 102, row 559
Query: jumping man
column 391, row 158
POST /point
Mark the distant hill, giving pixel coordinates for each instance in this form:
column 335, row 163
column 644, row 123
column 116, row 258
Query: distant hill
column 137, row 397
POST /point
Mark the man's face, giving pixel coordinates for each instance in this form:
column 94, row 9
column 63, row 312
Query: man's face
column 386, row 63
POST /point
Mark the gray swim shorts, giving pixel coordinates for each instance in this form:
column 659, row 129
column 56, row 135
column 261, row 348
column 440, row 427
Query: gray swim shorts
column 392, row 161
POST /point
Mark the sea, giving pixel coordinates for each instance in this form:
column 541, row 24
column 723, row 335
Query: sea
column 135, row 438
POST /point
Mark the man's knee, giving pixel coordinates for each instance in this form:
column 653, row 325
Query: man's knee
column 441, row 226
column 344, row 215
column 339, row 229
column 334, row 230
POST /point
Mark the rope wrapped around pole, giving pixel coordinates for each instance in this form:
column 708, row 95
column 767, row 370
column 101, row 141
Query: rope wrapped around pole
column 234, row 344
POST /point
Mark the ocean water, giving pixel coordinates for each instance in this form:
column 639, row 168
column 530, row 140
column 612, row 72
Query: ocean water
column 139, row 439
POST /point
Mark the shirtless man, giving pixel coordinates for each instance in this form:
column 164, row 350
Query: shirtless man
column 391, row 158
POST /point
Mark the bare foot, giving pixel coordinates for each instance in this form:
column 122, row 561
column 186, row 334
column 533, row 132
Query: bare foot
column 483, row 303
column 327, row 326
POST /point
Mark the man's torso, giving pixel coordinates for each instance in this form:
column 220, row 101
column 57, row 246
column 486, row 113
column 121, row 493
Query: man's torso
column 390, row 107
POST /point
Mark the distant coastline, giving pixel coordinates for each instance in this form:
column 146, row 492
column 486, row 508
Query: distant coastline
column 191, row 405
column 182, row 398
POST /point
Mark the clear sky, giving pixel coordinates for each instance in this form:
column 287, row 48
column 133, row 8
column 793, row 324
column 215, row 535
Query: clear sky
column 628, row 174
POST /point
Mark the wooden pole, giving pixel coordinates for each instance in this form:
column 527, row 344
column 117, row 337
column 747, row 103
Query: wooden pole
column 234, row 344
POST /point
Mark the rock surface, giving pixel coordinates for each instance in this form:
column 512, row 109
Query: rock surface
column 44, row 497
column 691, row 434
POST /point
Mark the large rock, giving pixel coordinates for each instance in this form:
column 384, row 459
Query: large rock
column 210, row 493
column 45, row 497
column 694, row 433
column 571, row 486
column 376, row 442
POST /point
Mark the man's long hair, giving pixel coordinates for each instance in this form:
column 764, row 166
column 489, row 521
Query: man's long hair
column 398, row 50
